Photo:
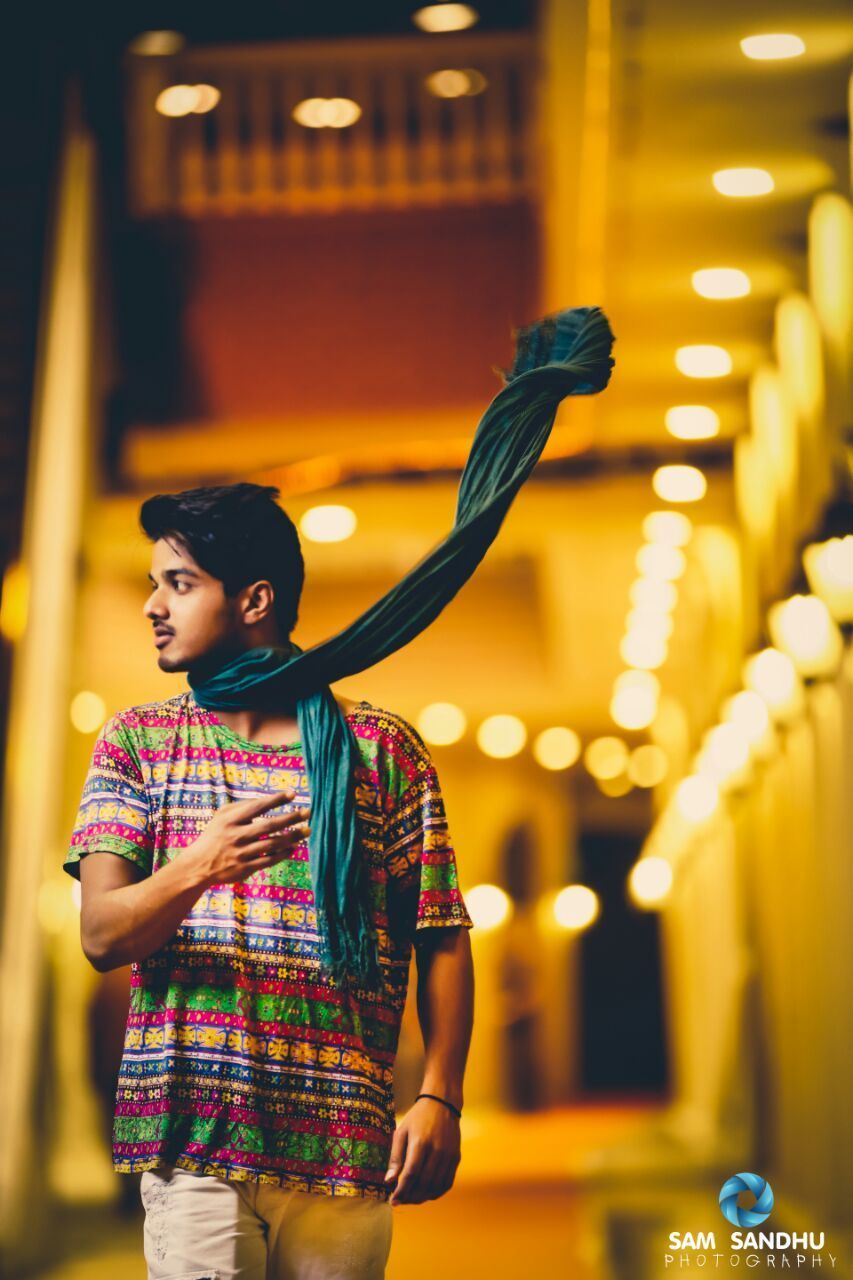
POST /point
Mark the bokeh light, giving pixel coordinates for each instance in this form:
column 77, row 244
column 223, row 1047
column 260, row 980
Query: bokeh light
column 660, row 560
column 613, row 788
column 330, row 522
column 185, row 99
column 743, row 182
column 157, row 44
column 677, row 482
column 647, row 765
column 576, row 906
column 207, row 98
column 501, row 736
column 488, row 906
column 557, row 747
column 326, row 113
column 692, row 422
column 56, row 905
column 456, row 82
column 703, row 360
column 441, row 723
column 673, row 528
column 748, row 710
column 635, row 699
column 644, row 649
column 772, row 675
column 829, row 569
column 177, row 100
column 803, row 628
column 650, row 881
column 654, row 622
column 88, row 711
column 697, row 797
column 721, row 282
column 434, row 18
column 773, row 45
column 725, row 752
column 606, row 757
column 653, row 593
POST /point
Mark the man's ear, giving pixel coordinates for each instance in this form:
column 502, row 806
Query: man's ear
column 256, row 602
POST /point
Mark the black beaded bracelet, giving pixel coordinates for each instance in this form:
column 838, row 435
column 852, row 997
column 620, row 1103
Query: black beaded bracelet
column 455, row 1110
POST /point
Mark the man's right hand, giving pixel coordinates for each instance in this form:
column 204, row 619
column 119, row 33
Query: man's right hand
column 238, row 840
column 127, row 915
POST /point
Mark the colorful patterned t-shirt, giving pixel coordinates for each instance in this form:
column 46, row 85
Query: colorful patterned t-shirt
column 241, row 1057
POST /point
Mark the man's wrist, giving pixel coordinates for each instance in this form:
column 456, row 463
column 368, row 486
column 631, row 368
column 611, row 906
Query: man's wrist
column 450, row 1090
column 441, row 1102
column 193, row 868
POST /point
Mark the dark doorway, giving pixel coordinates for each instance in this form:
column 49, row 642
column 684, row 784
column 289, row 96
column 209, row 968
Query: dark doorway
column 621, row 1007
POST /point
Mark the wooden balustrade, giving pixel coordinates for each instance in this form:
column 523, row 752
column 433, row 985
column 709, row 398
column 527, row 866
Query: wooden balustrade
column 408, row 148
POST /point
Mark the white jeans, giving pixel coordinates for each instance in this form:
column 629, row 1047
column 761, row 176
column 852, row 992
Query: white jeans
column 201, row 1227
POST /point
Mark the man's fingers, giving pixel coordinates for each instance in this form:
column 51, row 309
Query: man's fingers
column 443, row 1178
column 440, row 1175
column 398, row 1153
column 280, row 823
column 424, row 1187
column 260, row 804
column 260, row 850
column 415, row 1155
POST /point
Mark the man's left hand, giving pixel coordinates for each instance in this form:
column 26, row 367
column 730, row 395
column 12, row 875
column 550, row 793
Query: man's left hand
column 425, row 1153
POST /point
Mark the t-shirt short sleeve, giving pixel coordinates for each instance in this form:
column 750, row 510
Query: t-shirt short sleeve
column 113, row 816
column 420, row 858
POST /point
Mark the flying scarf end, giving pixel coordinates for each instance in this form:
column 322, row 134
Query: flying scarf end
column 576, row 340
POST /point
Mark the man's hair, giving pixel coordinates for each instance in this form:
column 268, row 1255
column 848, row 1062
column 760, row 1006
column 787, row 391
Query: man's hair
column 237, row 533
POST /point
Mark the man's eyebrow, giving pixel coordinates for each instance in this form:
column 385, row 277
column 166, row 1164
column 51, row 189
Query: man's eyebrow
column 172, row 573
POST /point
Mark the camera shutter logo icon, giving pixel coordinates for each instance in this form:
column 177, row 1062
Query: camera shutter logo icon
column 757, row 1213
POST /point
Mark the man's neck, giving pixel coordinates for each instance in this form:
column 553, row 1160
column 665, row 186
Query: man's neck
column 270, row 727
column 262, row 726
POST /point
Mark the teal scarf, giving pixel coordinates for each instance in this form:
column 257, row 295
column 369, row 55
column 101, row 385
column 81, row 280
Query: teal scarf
column 567, row 353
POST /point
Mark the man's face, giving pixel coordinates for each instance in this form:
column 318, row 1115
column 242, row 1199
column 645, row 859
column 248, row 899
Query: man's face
column 189, row 606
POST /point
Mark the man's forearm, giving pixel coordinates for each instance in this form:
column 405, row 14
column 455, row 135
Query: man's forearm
column 132, row 922
column 445, row 1000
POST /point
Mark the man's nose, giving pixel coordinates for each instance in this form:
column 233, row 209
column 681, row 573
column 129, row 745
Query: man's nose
column 151, row 609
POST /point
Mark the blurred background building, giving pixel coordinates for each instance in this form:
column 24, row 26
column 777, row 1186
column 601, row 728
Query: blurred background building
column 290, row 244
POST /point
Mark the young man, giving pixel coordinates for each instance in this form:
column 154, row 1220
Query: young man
column 255, row 1093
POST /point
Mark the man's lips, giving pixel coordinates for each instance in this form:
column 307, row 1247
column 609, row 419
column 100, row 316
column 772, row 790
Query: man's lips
column 161, row 636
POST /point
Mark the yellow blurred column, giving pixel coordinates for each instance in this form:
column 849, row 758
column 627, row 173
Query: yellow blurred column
column 760, row 1006
column 32, row 836
column 831, row 995
column 574, row 127
column 574, row 118
column 840, row 816
column 707, row 973
column 830, row 265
